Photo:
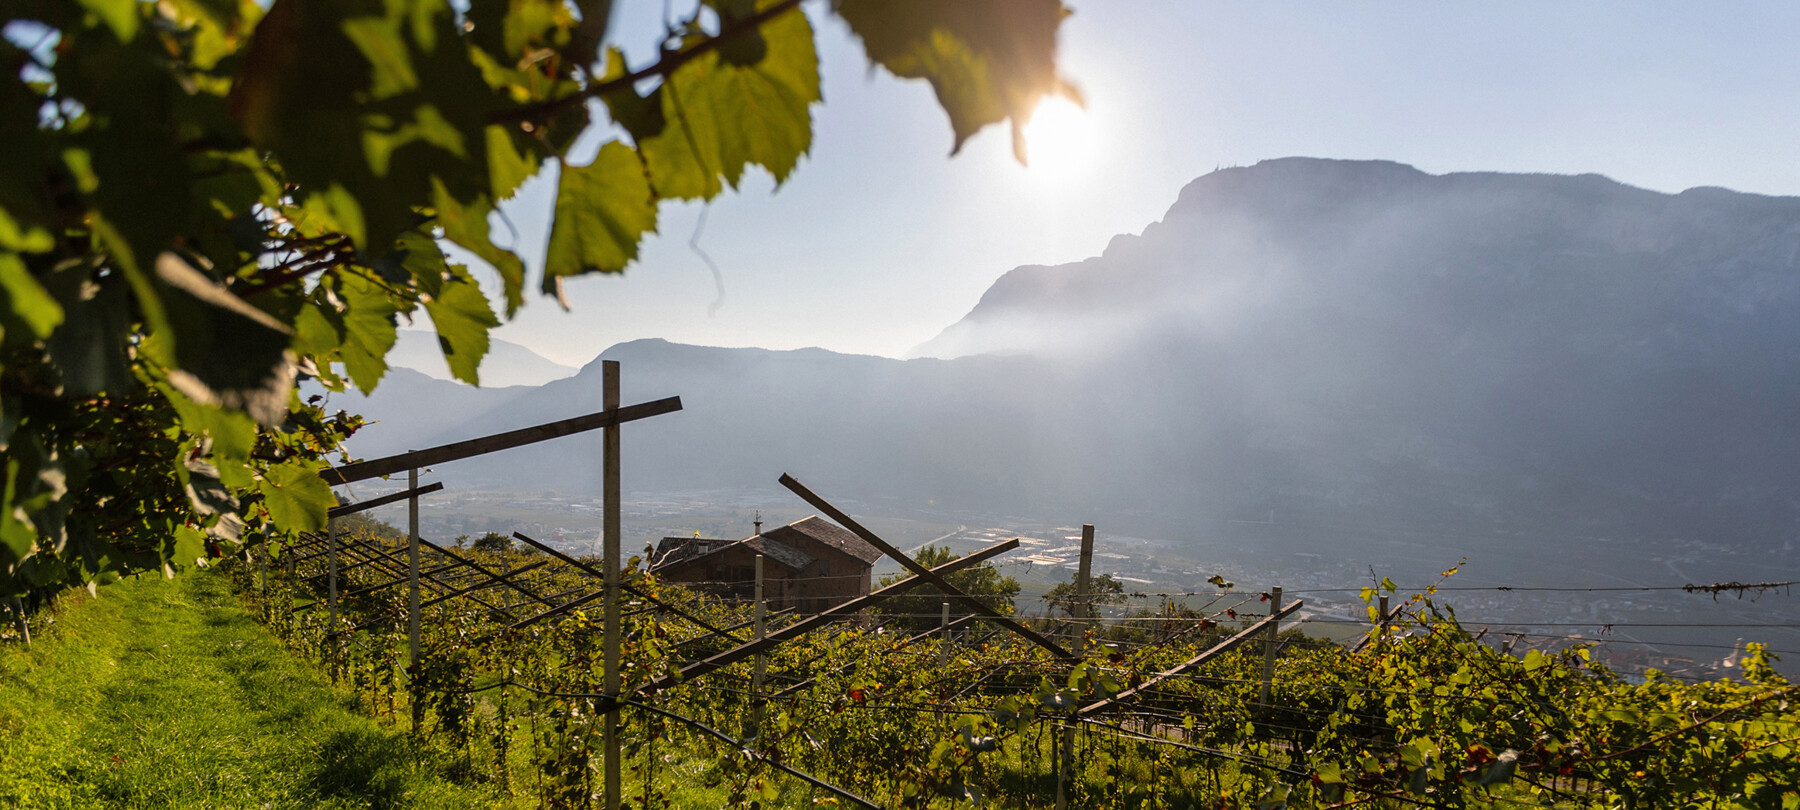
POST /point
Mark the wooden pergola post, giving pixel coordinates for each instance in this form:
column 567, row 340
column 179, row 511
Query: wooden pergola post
column 331, row 594
column 610, row 539
column 412, row 566
column 1269, row 645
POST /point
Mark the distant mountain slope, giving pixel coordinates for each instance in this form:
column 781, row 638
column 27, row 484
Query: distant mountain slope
column 1350, row 343
column 505, row 364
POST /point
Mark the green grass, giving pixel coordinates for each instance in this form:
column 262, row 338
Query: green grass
column 166, row 693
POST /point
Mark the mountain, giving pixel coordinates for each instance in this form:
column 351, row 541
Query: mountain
column 1349, row 343
column 506, row 363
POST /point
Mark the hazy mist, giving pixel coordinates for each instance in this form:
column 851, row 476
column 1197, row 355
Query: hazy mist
column 1347, row 343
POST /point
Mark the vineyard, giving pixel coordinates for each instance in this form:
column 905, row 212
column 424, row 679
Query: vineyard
column 207, row 202
column 1192, row 705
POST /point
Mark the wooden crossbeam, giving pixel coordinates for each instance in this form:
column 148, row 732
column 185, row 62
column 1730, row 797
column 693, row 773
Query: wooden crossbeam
column 901, row 646
column 456, row 558
column 417, row 459
column 384, row 500
column 557, row 610
column 370, row 555
column 400, row 581
column 486, row 583
column 817, row 620
column 775, row 614
column 1215, row 651
column 951, row 591
column 1380, row 627
column 702, row 623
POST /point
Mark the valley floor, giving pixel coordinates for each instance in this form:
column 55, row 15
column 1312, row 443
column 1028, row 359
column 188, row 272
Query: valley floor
column 167, row 693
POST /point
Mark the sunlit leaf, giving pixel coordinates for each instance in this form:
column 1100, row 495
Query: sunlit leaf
column 369, row 329
column 466, row 225
column 461, row 315
column 29, row 311
column 296, row 497
column 367, row 104
column 718, row 116
column 119, row 15
column 602, row 210
column 988, row 60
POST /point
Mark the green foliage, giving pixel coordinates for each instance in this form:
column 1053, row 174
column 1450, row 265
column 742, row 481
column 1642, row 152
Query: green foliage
column 922, row 608
column 168, row 694
column 492, row 542
column 360, row 524
column 1427, row 717
column 204, row 199
column 1068, row 598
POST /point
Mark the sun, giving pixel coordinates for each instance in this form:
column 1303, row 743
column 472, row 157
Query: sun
column 1059, row 138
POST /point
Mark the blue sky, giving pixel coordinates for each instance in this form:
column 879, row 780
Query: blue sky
column 880, row 239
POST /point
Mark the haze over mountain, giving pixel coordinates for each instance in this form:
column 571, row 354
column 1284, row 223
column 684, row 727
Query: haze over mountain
column 1347, row 343
column 505, row 364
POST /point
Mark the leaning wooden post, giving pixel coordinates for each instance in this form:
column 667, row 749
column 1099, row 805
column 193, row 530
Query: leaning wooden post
column 18, row 611
column 412, row 569
column 1269, row 643
column 609, row 540
column 1084, row 608
column 332, row 577
column 762, row 661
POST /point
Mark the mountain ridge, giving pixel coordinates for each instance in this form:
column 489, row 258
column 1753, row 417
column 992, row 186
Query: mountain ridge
column 1352, row 343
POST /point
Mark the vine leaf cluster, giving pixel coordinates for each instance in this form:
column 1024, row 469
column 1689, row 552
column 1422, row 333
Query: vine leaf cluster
column 204, row 201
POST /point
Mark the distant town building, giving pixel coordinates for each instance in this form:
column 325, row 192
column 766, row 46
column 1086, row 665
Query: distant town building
column 810, row 564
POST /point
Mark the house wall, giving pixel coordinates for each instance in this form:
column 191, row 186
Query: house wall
column 838, row 577
column 832, row 578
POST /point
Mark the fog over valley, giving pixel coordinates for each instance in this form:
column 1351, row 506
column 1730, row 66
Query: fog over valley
column 1345, row 343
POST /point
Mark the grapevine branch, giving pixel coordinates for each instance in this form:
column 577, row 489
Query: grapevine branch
column 671, row 61
column 1751, row 703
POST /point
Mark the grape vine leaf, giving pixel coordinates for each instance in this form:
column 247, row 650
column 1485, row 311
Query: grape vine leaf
column 714, row 115
column 461, row 315
column 988, row 62
column 365, row 109
column 228, row 353
column 602, row 210
column 296, row 497
column 91, row 348
column 31, row 313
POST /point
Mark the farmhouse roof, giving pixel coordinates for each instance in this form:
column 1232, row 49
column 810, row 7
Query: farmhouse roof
column 684, row 549
column 786, row 555
column 824, row 531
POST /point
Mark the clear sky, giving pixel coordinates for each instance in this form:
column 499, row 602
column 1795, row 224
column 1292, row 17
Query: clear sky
column 880, row 240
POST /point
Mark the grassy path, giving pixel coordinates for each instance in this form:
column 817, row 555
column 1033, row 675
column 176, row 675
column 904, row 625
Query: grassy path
column 167, row 693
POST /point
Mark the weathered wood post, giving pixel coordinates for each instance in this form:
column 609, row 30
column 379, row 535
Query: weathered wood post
column 1065, row 762
column 1084, row 608
column 762, row 661
column 1381, row 625
column 610, row 529
column 332, row 576
column 943, row 634
column 412, row 569
column 18, row 611
column 1269, row 644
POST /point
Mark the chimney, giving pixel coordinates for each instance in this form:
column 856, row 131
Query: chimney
column 758, row 522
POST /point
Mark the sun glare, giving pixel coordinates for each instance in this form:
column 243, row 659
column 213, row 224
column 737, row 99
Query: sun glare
column 1059, row 139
